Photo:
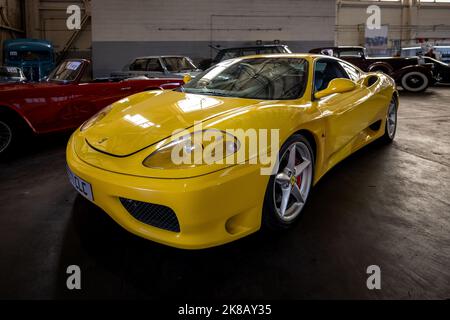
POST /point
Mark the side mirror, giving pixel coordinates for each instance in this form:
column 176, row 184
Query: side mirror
column 338, row 85
column 187, row 78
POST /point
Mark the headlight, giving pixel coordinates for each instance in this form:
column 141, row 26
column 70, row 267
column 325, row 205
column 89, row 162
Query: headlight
column 189, row 151
column 96, row 118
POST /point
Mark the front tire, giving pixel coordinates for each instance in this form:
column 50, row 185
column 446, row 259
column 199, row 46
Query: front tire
column 288, row 190
column 415, row 81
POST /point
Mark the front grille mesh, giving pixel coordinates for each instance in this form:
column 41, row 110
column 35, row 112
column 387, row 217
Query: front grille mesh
column 152, row 214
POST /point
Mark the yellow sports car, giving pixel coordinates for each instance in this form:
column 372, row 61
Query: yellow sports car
column 236, row 149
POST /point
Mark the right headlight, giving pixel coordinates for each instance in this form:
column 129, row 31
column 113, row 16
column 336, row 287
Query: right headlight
column 192, row 150
column 96, row 118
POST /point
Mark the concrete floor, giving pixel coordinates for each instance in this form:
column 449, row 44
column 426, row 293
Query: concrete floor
column 386, row 206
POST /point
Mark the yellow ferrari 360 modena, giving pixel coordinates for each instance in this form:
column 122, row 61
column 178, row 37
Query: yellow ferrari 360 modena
column 137, row 159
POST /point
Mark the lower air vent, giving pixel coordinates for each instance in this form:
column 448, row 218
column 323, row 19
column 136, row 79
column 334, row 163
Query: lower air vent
column 152, row 214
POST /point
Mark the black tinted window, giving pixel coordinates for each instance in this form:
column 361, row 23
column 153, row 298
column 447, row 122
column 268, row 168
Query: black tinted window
column 139, row 65
column 351, row 53
column 154, row 65
column 325, row 71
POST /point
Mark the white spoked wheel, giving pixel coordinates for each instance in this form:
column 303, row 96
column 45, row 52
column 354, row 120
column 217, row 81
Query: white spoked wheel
column 415, row 81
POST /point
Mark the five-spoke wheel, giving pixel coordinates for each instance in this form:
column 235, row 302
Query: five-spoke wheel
column 289, row 188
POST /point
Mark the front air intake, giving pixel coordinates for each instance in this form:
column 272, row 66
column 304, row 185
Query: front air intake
column 152, row 214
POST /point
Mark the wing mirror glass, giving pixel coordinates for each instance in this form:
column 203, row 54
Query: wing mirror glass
column 339, row 85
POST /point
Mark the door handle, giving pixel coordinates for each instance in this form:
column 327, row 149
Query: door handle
column 125, row 88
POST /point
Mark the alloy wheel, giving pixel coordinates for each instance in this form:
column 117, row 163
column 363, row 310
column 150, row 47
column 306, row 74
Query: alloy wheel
column 292, row 184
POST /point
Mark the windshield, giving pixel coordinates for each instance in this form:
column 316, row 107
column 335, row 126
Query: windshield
column 66, row 71
column 178, row 64
column 257, row 78
column 10, row 72
column 29, row 56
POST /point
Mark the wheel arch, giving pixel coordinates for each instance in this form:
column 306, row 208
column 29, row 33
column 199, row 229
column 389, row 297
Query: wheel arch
column 152, row 88
column 396, row 96
column 381, row 65
column 14, row 114
column 398, row 74
column 312, row 139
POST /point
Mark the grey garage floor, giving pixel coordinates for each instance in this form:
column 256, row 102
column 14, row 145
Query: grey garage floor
column 385, row 206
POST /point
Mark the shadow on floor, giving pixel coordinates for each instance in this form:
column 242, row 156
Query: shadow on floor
column 117, row 264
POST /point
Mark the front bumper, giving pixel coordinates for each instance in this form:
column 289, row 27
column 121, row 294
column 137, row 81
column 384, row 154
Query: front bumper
column 212, row 209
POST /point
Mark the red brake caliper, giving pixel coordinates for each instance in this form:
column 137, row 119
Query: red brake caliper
column 299, row 178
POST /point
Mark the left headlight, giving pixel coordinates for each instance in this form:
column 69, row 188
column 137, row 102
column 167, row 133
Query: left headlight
column 199, row 148
column 96, row 118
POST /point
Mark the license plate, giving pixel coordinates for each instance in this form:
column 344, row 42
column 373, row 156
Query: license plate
column 83, row 187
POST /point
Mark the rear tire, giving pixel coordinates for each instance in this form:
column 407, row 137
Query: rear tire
column 391, row 123
column 415, row 81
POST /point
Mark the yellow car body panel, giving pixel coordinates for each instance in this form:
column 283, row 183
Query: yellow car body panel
column 219, row 203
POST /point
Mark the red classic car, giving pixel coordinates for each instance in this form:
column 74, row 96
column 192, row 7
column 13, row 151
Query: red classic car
column 64, row 101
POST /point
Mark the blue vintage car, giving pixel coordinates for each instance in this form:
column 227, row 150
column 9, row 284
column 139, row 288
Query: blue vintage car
column 36, row 58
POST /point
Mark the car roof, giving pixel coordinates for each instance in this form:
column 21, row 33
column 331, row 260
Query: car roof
column 255, row 47
column 286, row 55
column 165, row 56
column 340, row 47
column 311, row 56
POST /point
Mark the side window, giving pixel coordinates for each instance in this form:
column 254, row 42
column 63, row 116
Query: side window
column 248, row 52
column 139, row 65
column 269, row 50
column 354, row 73
column 154, row 65
column 351, row 53
column 326, row 70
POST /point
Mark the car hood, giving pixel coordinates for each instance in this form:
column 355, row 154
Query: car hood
column 139, row 121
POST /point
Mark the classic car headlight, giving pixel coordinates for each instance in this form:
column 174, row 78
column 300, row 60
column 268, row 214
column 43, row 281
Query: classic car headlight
column 96, row 118
column 196, row 149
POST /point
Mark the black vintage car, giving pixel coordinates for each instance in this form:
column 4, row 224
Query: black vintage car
column 411, row 73
column 441, row 70
column 230, row 53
